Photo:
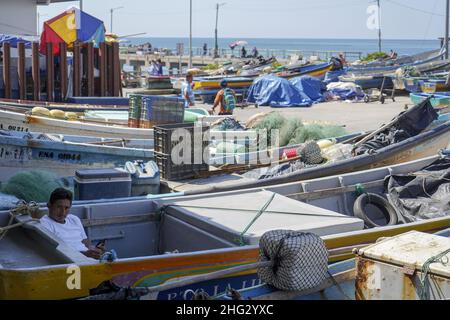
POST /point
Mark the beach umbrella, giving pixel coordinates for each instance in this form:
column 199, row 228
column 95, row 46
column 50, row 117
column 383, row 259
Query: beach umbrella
column 238, row 43
column 71, row 26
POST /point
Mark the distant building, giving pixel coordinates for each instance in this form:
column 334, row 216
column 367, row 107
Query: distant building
column 19, row 17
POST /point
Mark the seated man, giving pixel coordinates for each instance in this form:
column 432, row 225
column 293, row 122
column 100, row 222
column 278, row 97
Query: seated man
column 67, row 226
column 226, row 98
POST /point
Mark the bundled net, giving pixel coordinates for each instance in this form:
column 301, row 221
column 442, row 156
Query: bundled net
column 34, row 185
column 294, row 131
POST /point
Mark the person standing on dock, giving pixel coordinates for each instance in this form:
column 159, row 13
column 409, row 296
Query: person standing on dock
column 159, row 67
column 187, row 92
column 226, row 98
column 342, row 59
column 243, row 52
column 255, row 52
column 205, row 49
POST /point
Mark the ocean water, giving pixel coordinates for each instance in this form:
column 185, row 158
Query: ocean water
column 307, row 45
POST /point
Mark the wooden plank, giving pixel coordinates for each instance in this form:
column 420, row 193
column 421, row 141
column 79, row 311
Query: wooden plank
column 110, row 75
column 21, row 75
column 102, row 68
column 90, row 69
column 119, row 220
column 36, row 73
column 63, row 69
column 7, row 69
column 50, row 71
column 76, row 70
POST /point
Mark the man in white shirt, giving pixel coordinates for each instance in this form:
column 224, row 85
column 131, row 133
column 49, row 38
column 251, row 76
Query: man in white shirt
column 67, row 226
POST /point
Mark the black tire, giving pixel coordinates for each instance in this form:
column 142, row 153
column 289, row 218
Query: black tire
column 378, row 201
column 366, row 99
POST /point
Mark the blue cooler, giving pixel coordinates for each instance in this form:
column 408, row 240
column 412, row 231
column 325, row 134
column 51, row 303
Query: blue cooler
column 145, row 177
column 91, row 184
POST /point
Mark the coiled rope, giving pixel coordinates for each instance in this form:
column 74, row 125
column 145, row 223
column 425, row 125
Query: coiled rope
column 23, row 208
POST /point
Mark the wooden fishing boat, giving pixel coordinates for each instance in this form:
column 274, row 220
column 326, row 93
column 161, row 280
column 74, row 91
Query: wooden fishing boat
column 87, row 105
column 438, row 100
column 33, row 151
column 35, row 264
column 315, row 70
column 368, row 82
column 433, row 85
column 424, row 144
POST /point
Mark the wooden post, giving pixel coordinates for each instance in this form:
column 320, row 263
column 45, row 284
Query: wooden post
column 116, row 69
column 63, row 69
column 110, row 76
column 6, row 69
column 36, row 72
column 90, row 69
column 76, row 70
column 102, row 69
column 21, row 75
column 50, row 71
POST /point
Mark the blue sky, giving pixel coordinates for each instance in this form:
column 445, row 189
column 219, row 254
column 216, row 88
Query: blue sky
column 401, row 19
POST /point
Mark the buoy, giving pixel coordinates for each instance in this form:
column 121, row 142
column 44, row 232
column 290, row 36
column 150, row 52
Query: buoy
column 59, row 114
column 40, row 111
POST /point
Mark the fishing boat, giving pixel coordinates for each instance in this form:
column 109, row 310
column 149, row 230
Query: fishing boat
column 425, row 143
column 80, row 105
column 159, row 241
column 37, row 151
column 314, row 70
column 391, row 65
column 368, row 81
column 439, row 100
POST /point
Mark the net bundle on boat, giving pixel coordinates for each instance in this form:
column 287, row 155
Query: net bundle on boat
column 300, row 260
column 34, row 185
column 294, row 131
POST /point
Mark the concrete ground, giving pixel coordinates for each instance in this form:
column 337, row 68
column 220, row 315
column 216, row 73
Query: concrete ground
column 354, row 116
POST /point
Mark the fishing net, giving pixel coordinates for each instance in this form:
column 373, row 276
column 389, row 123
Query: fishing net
column 300, row 260
column 34, row 185
column 294, row 131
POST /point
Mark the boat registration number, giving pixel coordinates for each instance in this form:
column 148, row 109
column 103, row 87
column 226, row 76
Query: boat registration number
column 13, row 128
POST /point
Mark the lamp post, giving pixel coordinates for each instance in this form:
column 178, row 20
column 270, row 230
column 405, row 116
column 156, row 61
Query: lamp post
column 190, row 34
column 112, row 10
column 81, row 5
column 216, row 46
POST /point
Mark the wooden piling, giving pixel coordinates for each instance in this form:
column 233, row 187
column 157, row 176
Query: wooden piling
column 110, row 76
column 103, row 68
column 36, row 73
column 21, row 74
column 50, row 72
column 90, row 69
column 6, row 69
column 63, row 69
column 76, row 70
column 116, row 70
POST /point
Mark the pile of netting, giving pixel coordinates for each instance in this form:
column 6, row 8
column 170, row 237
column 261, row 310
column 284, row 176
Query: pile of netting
column 34, row 185
column 294, row 131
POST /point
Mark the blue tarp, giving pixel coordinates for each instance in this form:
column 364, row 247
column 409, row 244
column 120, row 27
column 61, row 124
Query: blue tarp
column 310, row 86
column 277, row 92
column 13, row 40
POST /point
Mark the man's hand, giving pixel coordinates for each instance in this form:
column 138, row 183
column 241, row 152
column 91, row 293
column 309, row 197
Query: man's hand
column 94, row 252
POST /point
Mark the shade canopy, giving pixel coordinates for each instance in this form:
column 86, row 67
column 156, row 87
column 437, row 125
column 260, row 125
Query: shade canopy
column 71, row 26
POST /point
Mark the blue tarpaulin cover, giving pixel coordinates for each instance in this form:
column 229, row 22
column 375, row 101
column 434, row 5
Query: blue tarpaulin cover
column 277, row 92
column 310, row 86
column 13, row 40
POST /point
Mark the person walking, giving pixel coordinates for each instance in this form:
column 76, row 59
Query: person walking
column 226, row 99
column 187, row 92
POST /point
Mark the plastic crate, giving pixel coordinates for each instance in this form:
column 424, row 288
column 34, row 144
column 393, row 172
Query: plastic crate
column 171, row 171
column 163, row 136
column 161, row 110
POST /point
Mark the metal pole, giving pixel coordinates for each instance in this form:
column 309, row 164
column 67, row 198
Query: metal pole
column 111, row 20
column 447, row 10
column 379, row 26
column 81, row 5
column 190, row 34
column 216, row 45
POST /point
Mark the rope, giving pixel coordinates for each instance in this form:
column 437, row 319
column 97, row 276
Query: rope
column 424, row 282
column 22, row 208
column 338, row 286
column 260, row 212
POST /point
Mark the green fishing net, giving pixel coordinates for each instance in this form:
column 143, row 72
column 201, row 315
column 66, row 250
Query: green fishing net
column 34, row 185
column 293, row 131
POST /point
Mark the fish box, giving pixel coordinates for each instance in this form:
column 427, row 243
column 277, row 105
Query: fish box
column 91, row 184
column 399, row 268
column 232, row 218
